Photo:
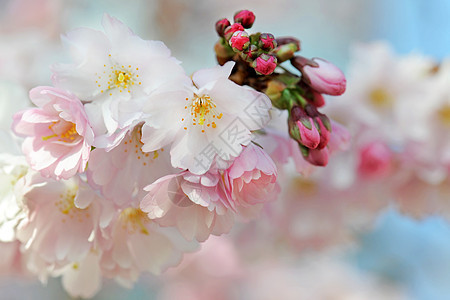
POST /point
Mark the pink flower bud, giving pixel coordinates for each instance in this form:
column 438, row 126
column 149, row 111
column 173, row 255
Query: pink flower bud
column 317, row 99
column 323, row 124
column 285, row 52
column 221, row 25
column 303, row 129
column 232, row 29
column 324, row 131
column 374, row 160
column 264, row 64
column 250, row 53
column 239, row 41
column 267, row 41
column 317, row 157
column 326, row 78
column 245, row 17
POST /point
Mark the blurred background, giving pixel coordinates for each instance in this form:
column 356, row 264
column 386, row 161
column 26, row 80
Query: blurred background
column 396, row 256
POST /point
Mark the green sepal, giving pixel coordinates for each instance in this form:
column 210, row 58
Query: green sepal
column 306, row 123
column 289, row 80
column 304, row 150
column 254, row 38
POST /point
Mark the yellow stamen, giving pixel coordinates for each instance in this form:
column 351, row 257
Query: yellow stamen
column 44, row 138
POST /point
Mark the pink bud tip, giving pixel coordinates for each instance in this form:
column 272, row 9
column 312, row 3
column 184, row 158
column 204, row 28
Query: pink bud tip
column 239, row 41
column 267, row 41
column 232, row 29
column 265, row 64
column 245, row 17
column 326, row 78
column 318, row 157
column 317, row 99
column 221, row 25
column 309, row 137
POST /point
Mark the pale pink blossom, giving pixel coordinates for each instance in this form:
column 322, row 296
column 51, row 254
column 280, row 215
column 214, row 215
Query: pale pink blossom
column 62, row 219
column 252, row 181
column 13, row 262
column 136, row 244
column 195, row 279
column 12, row 169
column 122, row 173
column 211, row 121
column 197, row 216
column 200, row 205
column 82, row 278
column 58, row 136
column 115, row 72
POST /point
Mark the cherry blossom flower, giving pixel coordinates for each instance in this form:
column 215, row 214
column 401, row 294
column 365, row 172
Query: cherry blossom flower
column 82, row 278
column 136, row 244
column 115, row 71
column 12, row 169
column 122, row 173
column 62, row 219
column 209, row 122
column 58, row 136
column 200, row 205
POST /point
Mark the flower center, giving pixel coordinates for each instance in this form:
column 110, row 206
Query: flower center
column 65, row 131
column 119, row 77
column 134, row 145
column 380, row 98
column 134, row 219
column 66, row 205
column 203, row 112
column 444, row 115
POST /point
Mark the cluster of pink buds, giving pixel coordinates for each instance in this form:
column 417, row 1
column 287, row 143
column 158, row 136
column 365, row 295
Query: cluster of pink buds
column 257, row 56
column 258, row 49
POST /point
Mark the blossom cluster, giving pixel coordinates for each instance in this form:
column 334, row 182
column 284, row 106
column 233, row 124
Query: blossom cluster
column 300, row 94
column 398, row 114
column 129, row 162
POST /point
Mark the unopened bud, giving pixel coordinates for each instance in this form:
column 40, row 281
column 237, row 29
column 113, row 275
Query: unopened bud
column 221, row 25
column 325, row 129
column 232, row 29
column 302, row 128
column 245, row 17
column 324, row 78
column 250, row 53
column 316, row 157
column 265, row 64
column 288, row 40
column 317, row 99
column 323, row 124
column 267, row 41
column 286, row 52
column 239, row 41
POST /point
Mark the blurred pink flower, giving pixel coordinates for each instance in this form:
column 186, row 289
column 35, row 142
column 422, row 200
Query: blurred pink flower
column 58, row 136
column 375, row 160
